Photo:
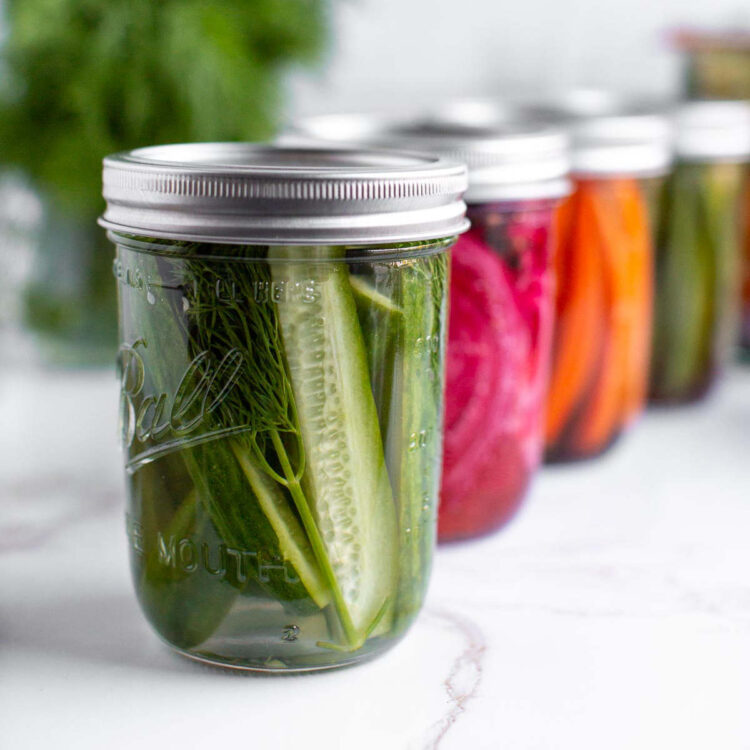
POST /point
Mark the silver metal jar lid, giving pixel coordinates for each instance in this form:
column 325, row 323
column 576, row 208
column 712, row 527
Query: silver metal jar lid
column 713, row 130
column 508, row 158
column 251, row 193
column 610, row 135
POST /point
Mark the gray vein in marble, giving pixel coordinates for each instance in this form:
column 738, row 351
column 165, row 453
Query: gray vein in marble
column 462, row 683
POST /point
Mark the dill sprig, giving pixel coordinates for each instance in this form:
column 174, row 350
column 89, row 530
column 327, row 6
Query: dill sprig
column 218, row 324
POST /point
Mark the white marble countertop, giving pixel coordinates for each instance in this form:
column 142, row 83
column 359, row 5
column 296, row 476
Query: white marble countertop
column 614, row 612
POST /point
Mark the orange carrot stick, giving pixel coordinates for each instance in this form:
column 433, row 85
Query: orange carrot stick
column 578, row 324
column 641, row 292
column 603, row 415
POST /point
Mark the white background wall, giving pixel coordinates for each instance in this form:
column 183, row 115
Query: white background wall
column 391, row 51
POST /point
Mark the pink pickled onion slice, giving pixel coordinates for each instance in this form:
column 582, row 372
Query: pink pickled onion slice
column 485, row 369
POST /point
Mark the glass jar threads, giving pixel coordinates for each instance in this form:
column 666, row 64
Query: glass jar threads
column 282, row 322
column 501, row 300
column 699, row 253
column 603, row 264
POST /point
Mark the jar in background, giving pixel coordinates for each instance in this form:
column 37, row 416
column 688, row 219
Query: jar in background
column 718, row 67
column 500, row 334
column 501, row 299
column 717, row 63
column 603, row 265
column 699, row 254
column 281, row 363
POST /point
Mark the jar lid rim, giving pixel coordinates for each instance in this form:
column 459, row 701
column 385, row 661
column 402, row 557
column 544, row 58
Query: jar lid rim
column 712, row 129
column 221, row 192
column 500, row 152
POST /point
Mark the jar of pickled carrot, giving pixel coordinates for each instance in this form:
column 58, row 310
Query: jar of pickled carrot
column 501, row 301
column 282, row 322
column 699, row 250
column 603, row 267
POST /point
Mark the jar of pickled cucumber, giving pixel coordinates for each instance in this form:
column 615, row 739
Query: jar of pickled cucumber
column 699, row 250
column 603, row 266
column 501, row 299
column 282, row 326
column 718, row 67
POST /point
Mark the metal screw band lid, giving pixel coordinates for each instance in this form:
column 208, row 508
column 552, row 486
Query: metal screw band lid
column 713, row 131
column 610, row 135
column 250, row 193
column 508, row 158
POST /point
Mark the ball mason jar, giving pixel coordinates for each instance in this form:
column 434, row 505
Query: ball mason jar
column 282, row 325
column 699, row 251
column 603, row 267
column 501, row 299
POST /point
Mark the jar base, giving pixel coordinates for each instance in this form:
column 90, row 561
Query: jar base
column 249, row 667
column 562, row 455
column 456, row 534
column 687, row 397
column 270, row 666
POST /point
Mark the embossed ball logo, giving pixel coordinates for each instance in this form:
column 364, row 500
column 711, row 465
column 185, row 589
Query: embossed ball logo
column 156, row 423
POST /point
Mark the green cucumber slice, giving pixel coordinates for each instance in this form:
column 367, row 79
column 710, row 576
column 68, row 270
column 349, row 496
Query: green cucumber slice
column 345, row 481
column 366, row 295
column 404, row 355
column 293, row 544
column 417, row 415
column 381, row 321
column 685, row 296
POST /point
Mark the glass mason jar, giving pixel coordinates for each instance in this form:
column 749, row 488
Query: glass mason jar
column 603, row 267
column 699, row 252
column 718, row 67
column 500, row 334
column 501, row 298
column 282, row 324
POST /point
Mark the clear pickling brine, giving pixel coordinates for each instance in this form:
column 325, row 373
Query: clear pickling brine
column 281, row 420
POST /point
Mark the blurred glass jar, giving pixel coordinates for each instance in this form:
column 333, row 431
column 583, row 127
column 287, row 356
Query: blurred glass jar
column 69, row 307
column 604, row 271
column 501, row 300
column 699, row 254
column 717, row 63
column 281, row 367
column 20, row 217
column 718, row 67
